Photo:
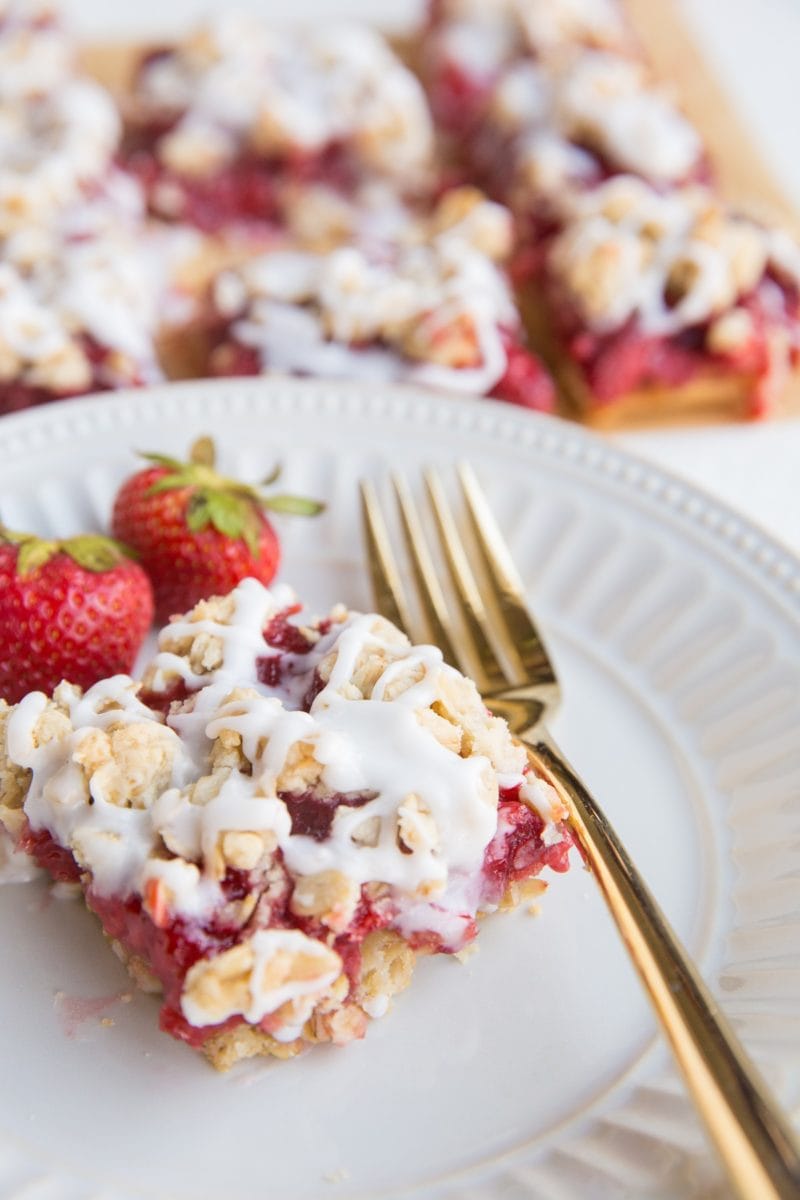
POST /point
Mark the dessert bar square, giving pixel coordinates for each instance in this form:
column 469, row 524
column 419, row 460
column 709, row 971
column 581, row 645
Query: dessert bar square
column 280, row 818
column 648, row 297
column 657, row 304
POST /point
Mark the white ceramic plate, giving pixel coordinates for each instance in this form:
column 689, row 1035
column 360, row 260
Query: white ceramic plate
column 535, row 1069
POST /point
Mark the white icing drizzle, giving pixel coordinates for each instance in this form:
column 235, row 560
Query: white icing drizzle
column 634, row 124
column 384, row 309
column 480, row 46
column 52, row 148
column 596, row 99
column 111, row 840
column 424, row 815
column 564, row 85
column 242, row 638
column 97, row 270
column 550, row 24
column 108, row 289
column 266, row 945
column 552, row 169
column 239, row 84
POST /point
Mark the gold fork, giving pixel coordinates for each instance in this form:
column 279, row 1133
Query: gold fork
column 755, row 1141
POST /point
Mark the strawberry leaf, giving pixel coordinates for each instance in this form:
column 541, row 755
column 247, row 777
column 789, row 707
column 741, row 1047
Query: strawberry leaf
column 15, row 539
column 230, row 506
column 96, row 553
column 170, row 483
column 162, row 460
column 228, row 513
column 198, row 515
column 35, row 553
column 273, row 476
column 251, row 531
column 298, row 506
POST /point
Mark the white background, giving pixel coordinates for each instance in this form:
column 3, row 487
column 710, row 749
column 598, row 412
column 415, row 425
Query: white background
column 753, row 45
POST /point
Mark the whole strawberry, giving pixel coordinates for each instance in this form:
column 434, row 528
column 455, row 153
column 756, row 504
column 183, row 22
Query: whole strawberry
column 197, row 533
column 75, row 609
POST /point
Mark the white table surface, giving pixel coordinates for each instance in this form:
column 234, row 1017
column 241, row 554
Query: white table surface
column 753, row 46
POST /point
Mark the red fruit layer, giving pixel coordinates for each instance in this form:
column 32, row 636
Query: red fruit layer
column 517, row 851
column 618, row 363
column 170, row 948
column 458, row 101
column 47, row 854
column 282, row 635
column 161, row 702
column 245, row 191
column 526, row 381
column 312, row 815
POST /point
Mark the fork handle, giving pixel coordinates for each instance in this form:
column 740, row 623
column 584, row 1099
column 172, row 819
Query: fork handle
column 755, row 1141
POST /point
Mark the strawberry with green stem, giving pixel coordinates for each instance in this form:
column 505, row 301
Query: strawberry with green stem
column 198, row 533
column 74, row 608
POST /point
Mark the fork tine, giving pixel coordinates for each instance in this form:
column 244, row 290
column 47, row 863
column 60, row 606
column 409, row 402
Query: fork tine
column 506, row 583
column 383, row 570
column 492, row 676
column 430, row 591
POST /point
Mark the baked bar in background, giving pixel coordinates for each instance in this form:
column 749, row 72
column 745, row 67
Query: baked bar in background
column 218, row 124
column 648, row 297
column 381, row 293
column 656, row 305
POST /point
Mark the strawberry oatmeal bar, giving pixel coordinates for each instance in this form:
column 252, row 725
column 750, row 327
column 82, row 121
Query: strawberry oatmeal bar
column 220, row 123
column 77, row 315
column 669, row 301
column 647, row 297
column 321, row 803
column 412, row 298
column 558, row 101
column 84, row 285
column 60, row 129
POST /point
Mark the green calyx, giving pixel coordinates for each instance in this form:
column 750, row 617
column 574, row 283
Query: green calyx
column 230, row 507
column 91, row 551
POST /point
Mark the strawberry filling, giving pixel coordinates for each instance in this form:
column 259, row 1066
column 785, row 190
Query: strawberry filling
column 458, row 100
column 617, row 363
column 312, row 815
column 525, row 381
column 48, row 855
column 170, row 944
column 245, row 191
